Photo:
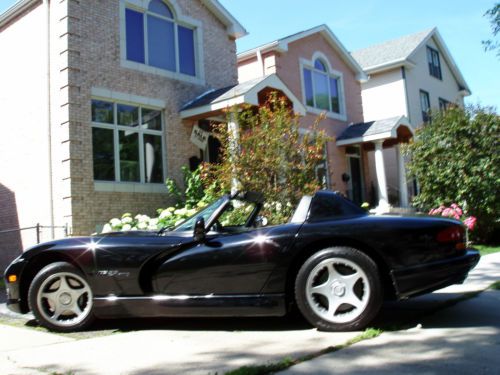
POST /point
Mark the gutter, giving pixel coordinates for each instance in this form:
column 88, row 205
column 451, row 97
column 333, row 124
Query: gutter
column 15, row 10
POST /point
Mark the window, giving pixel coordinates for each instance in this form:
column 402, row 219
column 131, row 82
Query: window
column 127, row 142
column 156, row 38
column 425, row 105
column 443, row 104
column 434, row 63
column 322, row 88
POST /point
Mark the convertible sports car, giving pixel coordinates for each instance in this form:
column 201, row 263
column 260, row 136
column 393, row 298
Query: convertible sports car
column 333, row 260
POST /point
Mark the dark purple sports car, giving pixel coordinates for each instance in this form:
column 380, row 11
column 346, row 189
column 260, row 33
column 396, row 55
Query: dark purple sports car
column 333, row 260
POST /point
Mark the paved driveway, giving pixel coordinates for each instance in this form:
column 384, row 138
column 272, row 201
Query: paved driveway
column 203, row 346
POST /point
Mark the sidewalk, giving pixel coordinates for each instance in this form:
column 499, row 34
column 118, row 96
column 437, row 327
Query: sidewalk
column 204, row 346
column 461, row 339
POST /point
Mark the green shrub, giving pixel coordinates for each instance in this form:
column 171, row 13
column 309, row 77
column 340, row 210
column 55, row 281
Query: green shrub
column 456, row 159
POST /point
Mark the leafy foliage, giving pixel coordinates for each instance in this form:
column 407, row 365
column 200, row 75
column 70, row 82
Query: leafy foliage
column 456, row 158
column 271, row 155
column 494, row 15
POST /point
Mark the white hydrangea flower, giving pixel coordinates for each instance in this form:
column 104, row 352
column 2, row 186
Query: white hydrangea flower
column 191, row 212
column 142, row 225
column 180, row 212
column 115, row 222
column 127, row 220
column 107, row 228
column 171, row 209
column 144, row 219
column 153, row 226
column 165, row 213
column 153, row 222
column 126, row 227
column 279, row 206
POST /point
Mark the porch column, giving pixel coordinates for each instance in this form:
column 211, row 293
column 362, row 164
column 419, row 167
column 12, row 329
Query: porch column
column 234, row 133
column 383, row 200
column 403, row 187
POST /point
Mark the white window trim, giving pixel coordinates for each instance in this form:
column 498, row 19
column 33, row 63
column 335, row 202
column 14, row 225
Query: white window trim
column 196, row 25
column 309, row 64
column 116, row 97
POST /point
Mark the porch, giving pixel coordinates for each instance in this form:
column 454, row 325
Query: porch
column 377, row 136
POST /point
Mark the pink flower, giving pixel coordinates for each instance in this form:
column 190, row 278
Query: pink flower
column 454, row 205
column 447, row 212
column 470, row 222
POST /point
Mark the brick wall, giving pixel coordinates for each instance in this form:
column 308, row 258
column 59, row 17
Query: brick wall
column 93, row 60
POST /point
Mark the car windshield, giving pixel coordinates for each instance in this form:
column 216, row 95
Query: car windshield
column 206, row 213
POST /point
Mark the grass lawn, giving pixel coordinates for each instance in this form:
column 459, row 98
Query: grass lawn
column 487, row 249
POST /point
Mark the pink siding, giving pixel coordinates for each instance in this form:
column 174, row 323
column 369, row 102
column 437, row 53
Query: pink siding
column 288, row 69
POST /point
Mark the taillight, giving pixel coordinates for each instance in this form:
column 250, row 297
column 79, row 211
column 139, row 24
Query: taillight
column 451, row 234
column 455, row 234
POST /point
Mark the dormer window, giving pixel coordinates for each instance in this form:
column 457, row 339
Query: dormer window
column 156, row 37
column 322, row 87
column 434, row 63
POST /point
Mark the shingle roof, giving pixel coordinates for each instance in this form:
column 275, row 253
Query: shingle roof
column 391, row 51
column 372, row 128
column 229, row 92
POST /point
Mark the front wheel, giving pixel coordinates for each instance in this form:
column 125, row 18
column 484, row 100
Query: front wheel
column 60, row 298
column 338, row 289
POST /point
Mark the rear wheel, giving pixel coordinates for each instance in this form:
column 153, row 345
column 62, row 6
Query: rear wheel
column 60, row 298
column 338, row 289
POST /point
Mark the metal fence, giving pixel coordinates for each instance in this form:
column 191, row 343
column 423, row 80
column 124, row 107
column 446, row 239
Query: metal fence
column 38, row 228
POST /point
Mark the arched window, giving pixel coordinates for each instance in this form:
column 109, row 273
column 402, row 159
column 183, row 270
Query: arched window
column 155, row 37
column 322, row 87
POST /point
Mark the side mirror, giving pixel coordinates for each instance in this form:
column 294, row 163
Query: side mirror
column 199, row 229
column 260, row 221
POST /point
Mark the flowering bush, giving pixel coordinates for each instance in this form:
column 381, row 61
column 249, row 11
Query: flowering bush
column 168, row 217
column 455, row 212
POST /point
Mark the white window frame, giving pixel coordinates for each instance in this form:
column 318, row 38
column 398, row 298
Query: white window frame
column 140, row 102
column 331, row 73
column 179, row 19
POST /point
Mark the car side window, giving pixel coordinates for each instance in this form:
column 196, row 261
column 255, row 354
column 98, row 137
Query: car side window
column 236, row 214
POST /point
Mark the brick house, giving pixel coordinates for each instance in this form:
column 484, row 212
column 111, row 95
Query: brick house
column 93, row 99
column 105, row 99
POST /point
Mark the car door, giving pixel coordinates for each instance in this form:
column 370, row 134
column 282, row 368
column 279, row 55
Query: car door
column 233, row 259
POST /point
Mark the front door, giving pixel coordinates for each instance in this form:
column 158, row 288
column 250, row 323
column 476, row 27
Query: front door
column 355, row 184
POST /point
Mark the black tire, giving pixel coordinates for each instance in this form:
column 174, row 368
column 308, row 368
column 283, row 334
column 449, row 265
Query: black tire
column 326, row 278
column 60, row 298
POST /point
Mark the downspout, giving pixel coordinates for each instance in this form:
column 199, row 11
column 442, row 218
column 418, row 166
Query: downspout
column 403, row 75
column 260, row 62
column 46, row 4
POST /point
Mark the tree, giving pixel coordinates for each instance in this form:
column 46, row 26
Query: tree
column 456, row 159
column 270, row 155
column 494, row 15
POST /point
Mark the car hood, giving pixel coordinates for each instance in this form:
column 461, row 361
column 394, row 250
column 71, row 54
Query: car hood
column 118, row 240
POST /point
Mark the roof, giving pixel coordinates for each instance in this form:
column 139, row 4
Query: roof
column 385, row 53
column 233, row 27
column 400, row 51
column 281, row 45
column 246, row 92
column 373, row 130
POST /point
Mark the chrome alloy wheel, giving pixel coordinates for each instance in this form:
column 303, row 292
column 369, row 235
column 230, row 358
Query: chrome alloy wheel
column 64, row 299
column 337, row 290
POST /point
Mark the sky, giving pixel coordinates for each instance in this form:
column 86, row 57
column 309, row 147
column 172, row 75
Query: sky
column 361, row 23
